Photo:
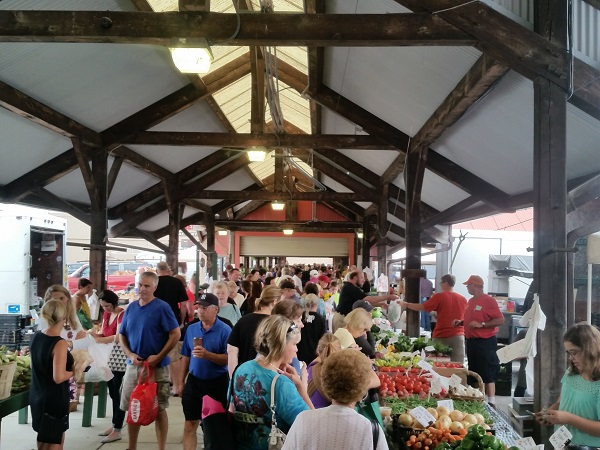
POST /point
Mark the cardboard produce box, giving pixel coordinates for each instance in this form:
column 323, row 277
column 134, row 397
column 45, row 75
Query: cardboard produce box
column 448, row 372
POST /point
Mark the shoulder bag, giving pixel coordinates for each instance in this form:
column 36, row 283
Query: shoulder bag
column 276, row 436
column 117, row 360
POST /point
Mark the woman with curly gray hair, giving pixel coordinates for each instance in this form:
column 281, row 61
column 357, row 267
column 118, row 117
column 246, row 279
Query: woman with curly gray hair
column 346, row 375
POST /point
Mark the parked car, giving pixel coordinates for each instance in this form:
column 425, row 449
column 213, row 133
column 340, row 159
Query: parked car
column 120, row 275
column 72, row 267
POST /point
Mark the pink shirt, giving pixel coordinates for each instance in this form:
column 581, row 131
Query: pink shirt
column 481, row 309
column 110, row 329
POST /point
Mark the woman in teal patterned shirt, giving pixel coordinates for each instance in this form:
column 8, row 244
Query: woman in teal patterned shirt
column 578, row 407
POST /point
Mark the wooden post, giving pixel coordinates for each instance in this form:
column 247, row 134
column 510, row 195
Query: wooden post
column 210, row 248
column 366, row 250
column 174, row 225
column 98, row 229
column 412, row 272
column 550, row 194
column 382, row 229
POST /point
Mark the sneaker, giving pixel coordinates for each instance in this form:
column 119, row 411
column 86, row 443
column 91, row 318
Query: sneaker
column 112, row 437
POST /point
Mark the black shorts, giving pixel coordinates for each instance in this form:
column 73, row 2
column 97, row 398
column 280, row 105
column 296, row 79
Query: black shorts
column 482, row 357
column 51, row 429
column 194, row 391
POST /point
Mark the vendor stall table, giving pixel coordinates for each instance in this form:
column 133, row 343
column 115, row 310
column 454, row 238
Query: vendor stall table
column 18, row 402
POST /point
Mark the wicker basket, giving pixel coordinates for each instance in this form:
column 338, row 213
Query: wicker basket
column 480, row 386
column 7, row 373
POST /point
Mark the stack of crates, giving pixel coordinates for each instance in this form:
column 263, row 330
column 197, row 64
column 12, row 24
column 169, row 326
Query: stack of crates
column 10, row 331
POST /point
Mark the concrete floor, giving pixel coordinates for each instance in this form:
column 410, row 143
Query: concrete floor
column 22, row 437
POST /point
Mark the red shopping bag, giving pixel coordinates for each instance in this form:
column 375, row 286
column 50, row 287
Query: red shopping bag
column 143, row 404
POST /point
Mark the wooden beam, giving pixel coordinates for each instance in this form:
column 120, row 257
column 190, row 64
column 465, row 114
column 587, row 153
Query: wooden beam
column 476, row 82
column 185, row 191
column 150, row 238
column 55, row 202
column 41, row 176
column 441, row 217
column 244, row 140
column 286, row 196
column 113, row 174
column 594, row 3
column 31, row 109
column 183, row 176
column 82, row 153
column 261, row 224
column 141, row 162
column 193, row 219
column 194, row 5
column 282, row 29
column 249, row 208
column 197, row 205
column 177, row 101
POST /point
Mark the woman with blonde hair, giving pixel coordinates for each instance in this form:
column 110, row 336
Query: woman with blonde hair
column 72, row 329
column 227, row 307
column 51, row 369
column 346, row 375
column 275, row 342
column 327, row 345
column 357, row 323
column 240, row 346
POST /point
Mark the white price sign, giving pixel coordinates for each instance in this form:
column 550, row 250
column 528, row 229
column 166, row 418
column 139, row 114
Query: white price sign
column 561, row 438
column 422, row 416
column 454, row 381
column 526, row 443
column 447, row 403
column 425, row 365
column 430, row 348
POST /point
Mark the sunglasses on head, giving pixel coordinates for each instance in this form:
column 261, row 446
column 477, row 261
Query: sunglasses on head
column 292, row 327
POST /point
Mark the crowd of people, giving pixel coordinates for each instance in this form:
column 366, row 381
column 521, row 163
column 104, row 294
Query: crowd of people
column 274, row 348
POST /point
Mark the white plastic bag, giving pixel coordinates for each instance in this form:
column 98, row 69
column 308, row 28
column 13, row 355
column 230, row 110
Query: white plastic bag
column 99, row 370
column 94, row 305
column 394, row 312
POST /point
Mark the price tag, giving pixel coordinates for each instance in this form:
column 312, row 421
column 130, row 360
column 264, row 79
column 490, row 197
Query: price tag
column 526, row 443
column 447, row 403
column 430, row 348
column 454, row 381
column 425, row 365
column 393, row 340
column 406, row 355
column 436, row 386
column 561, row 438
column 423, row 355
column 422, row 416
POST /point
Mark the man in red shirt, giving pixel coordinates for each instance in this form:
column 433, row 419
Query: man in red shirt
column 450, row 306
column 482, row 318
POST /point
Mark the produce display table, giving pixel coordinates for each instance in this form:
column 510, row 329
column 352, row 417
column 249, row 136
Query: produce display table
column 18, row 402
column 88, row 402
column 504, row 430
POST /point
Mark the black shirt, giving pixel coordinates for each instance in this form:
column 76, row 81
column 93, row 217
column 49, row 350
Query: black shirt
column 313, row 330
column 348, row 295
column 242, row 336
column 171, row 290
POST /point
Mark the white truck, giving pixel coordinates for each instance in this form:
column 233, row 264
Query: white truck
column 33, row 246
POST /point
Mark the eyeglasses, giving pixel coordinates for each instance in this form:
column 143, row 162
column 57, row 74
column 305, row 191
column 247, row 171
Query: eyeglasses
column 292, row 327
column 572, row 353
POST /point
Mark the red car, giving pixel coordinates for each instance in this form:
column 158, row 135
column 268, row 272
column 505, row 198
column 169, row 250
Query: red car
column 120, row 275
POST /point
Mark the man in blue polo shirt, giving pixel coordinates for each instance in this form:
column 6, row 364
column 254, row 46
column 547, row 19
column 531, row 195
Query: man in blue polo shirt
column 204, row 356
column 148, row 333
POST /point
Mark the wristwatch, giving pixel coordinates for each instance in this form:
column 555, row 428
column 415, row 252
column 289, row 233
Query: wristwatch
column 482, row 324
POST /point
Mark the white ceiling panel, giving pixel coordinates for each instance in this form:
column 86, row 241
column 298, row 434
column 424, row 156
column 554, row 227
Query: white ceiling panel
column 70, row 187
column 411, row 82
column 89, row 81
column 333, row 185
column 22, row 137
column 439, row 193
column 583, row 143
column 173, row 158
column 159, row 221
column 198, row 117
column 494, row 139
column 131, row 181
column 236, row 181
column 376, row 161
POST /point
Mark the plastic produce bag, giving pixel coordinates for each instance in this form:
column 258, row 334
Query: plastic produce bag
column 99, row 370
column 394, row 312
column 94, row 305
column 143, row 404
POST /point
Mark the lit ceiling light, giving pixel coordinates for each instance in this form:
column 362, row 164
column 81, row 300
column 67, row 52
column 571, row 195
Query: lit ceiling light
column 288, row 231
column 192, row 56
column 359, row 234
column 222, row 232
column 257, row 153
column 277, row 206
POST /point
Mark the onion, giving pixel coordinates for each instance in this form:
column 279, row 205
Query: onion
column 480, row 418
column 456, row 426
column 405, row 420
column 470, row 418
column 457, row 416
column 443, row 411
column 433, row 412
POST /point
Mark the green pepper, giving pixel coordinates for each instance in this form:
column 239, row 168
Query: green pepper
column 455, row 444
column 443, row 446
column 467, row 443
column 476, row 432
column 490, row 442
